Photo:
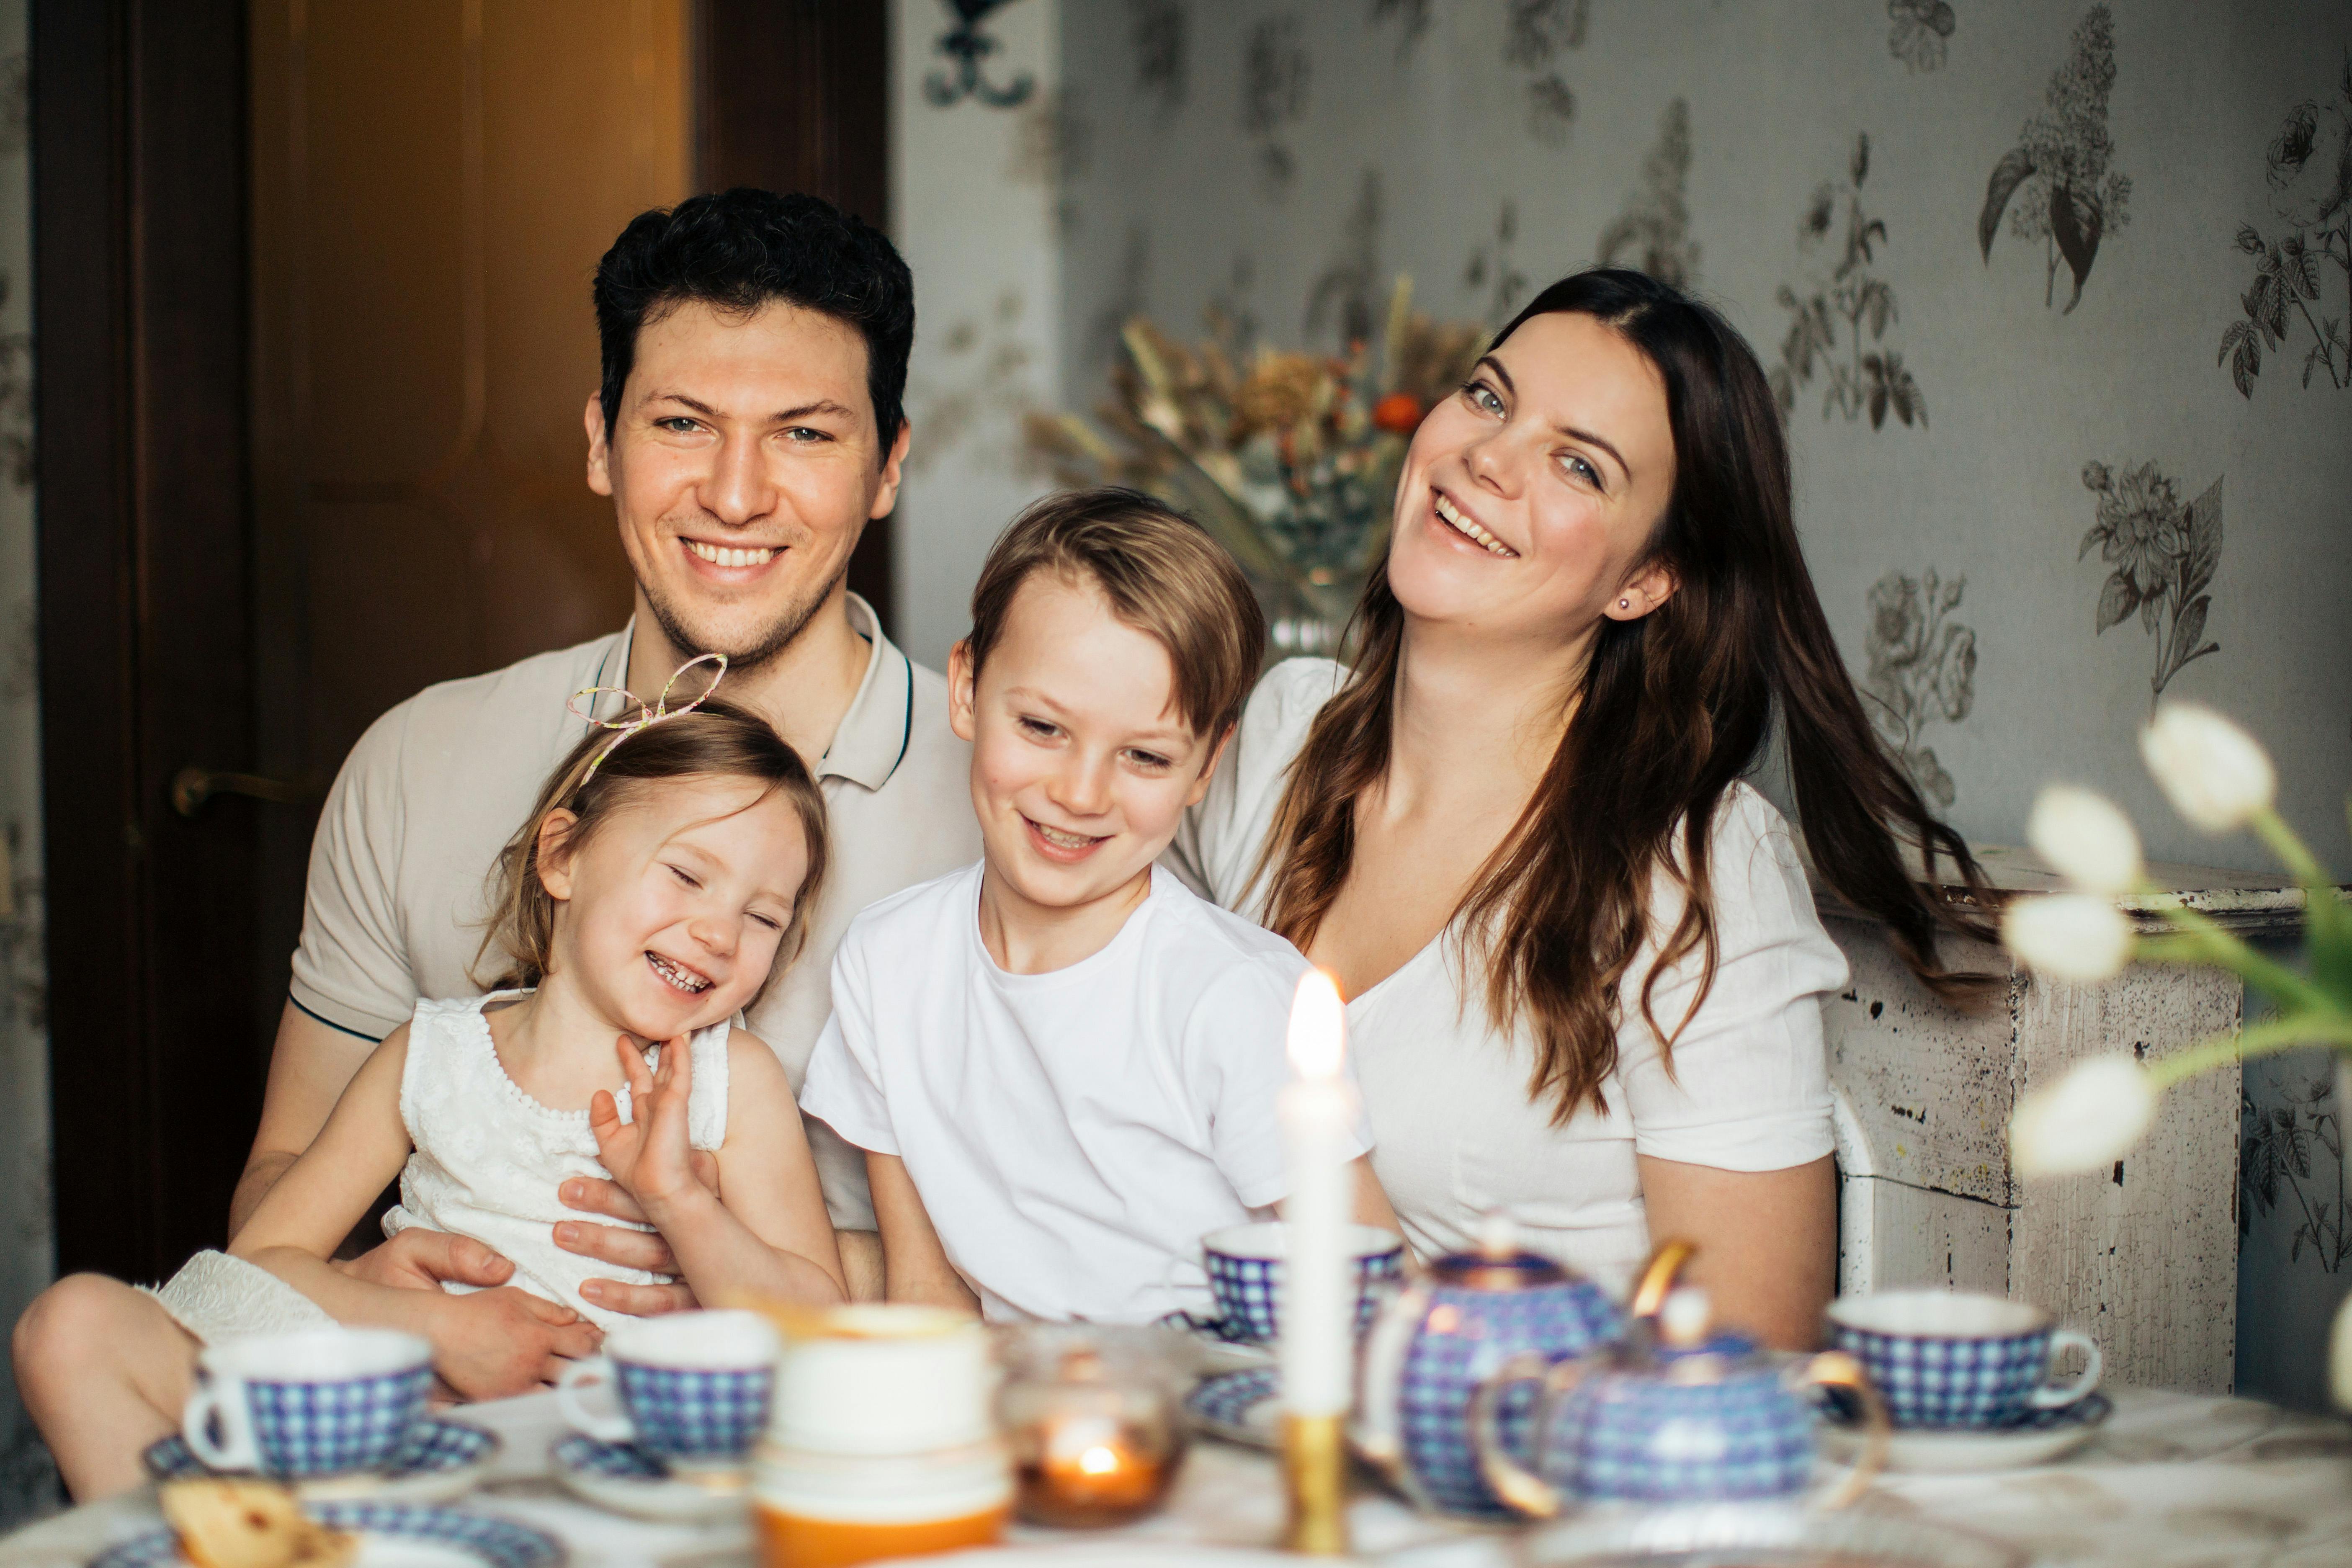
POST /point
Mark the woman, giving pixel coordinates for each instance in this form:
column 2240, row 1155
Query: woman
column 1583, row 966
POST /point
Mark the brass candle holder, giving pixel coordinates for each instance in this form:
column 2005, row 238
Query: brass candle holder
column 1315, row 1484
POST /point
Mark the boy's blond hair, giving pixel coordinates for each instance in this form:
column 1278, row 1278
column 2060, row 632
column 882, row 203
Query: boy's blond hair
column 1161, row 574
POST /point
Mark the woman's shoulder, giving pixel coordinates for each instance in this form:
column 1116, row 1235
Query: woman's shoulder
column 1288, row 696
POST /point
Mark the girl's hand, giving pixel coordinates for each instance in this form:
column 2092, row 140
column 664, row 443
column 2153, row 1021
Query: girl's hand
column 650, row 1156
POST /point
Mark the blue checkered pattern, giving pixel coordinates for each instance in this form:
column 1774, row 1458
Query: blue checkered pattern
column 1246, row 1289
column 432, row 1446
column 1935, row 1381
column 585, row 1455
column 1223, row 1403
column 1465, row 1335
column 497, row 1542
column 1641, row 1439
column 327, row 1428
column 696, row 1413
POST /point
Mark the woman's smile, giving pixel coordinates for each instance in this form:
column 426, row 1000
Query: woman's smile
column 678, row 976
column 1450, row 513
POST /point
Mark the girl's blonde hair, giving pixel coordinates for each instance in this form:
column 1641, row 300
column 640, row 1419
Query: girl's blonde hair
column 716, row 740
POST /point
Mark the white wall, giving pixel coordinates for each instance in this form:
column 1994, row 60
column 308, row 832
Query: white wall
column 975, row 209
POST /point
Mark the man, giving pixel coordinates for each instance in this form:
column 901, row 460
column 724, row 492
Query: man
column 748, row 429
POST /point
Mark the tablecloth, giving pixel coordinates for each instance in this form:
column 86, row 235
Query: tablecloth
column 2173, row 1480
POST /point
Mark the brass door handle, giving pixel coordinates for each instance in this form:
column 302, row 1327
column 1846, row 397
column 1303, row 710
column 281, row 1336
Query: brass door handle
column 192, row 787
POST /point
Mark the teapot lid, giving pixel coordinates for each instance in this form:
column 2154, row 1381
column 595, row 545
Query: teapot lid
column 1682, row 1345
column 1499, row 1262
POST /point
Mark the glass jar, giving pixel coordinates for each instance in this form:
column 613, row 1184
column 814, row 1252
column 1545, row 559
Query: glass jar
column 1092, row 1416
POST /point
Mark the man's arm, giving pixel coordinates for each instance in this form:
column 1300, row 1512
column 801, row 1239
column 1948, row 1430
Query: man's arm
column 308, row 1067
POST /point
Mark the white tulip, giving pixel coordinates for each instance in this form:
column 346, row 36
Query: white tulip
column 2215, row 774
column 2067, row 936
column 2085, row 1122
column 2086, row 839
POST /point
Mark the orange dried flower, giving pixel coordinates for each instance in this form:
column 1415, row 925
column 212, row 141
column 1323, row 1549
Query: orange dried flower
column 1399, row 412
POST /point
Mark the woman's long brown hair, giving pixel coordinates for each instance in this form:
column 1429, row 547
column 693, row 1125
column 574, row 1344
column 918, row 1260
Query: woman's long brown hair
column 1671, row 710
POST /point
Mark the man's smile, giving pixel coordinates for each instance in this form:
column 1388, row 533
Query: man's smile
column 727, row 556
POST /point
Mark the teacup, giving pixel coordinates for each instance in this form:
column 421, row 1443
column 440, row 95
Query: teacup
column 1950, row 1359
column 694, row 1387
column 320, row 1402
column 1245, row 1267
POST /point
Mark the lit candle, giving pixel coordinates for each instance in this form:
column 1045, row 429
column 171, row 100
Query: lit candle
column 1317, row 1112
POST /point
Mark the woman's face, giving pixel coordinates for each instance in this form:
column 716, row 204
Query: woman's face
column 1528, row 496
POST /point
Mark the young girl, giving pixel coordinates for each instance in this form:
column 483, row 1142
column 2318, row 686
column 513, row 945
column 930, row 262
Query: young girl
column 660, row 882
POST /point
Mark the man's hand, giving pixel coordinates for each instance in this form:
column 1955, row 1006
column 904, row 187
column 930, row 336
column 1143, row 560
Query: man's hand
column 627, row 1248
column 492, row 1343
column 420, row 1259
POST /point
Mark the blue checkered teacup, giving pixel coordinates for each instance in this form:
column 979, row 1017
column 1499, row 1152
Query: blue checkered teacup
column 1244, row 1268
column 1945, row 1359
column 321, row 1402
column 694, row 1387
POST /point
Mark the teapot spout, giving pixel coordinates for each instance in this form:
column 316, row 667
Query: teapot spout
column 1658, row 1277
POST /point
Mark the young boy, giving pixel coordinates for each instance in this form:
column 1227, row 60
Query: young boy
column 1061, row 1063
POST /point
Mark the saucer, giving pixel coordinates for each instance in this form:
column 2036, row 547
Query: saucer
column 1243, row 1406
column 389, row 1534
column 629, row 1480
column 2038, row 1440
column 442, row 1459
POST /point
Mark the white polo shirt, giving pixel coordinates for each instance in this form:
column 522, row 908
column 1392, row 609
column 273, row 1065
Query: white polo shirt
column 399, row 884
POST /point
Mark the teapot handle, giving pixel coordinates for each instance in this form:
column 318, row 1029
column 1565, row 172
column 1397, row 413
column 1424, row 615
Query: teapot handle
column 1522, row 1489
column 1836, row 1369
column 1379, row 1436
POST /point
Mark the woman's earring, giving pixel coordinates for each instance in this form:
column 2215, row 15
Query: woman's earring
column 1625, row 603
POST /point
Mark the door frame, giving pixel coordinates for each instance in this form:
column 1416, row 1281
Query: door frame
column 139, row 161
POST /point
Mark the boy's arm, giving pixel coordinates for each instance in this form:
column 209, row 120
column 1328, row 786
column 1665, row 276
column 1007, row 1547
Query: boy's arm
column 915, row 1266
column 770, row 1235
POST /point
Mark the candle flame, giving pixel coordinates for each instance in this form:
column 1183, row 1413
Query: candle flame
column 1318, row 1026
column 1099, row 1461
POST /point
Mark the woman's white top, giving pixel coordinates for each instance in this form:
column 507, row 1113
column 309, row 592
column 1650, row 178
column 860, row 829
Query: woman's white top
column 1072, row 1134
column 1454, row 1133
column 488, row 1158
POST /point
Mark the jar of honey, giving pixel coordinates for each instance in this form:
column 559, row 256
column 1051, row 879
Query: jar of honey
column 883, row 1440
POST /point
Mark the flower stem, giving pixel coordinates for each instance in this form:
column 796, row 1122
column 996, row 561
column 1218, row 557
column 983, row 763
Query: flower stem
column 2256, row 1040
column 2220, row 947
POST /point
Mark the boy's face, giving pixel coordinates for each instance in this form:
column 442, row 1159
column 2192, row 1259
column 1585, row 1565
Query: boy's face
column 1081, row 764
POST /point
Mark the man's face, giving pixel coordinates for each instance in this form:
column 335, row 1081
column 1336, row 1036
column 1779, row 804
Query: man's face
column 743, row 466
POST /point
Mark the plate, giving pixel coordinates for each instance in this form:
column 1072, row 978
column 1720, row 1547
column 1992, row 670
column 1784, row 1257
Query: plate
column 392, row 1535
column 1755, row 1535
column 2041, row 1438
column 442, row 1460
column 1243, row 1406
column 632, row 1482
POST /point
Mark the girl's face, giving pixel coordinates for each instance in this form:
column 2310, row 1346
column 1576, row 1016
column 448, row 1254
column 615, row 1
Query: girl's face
column 1528, row 496
column 669, row 917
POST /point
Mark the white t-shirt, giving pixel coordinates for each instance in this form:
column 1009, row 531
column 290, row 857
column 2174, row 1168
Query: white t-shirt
column 1447, row 1093
column 1072, row 1135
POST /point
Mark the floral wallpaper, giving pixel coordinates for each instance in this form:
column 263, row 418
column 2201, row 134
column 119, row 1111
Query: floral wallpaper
column 2108, row 247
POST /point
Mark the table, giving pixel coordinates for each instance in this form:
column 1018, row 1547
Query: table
column 2174, row 1480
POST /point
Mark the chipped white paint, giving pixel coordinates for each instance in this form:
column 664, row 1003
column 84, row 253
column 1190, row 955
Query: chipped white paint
column 2143, row 1256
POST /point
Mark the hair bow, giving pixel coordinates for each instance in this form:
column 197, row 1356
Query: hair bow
column 646, row 716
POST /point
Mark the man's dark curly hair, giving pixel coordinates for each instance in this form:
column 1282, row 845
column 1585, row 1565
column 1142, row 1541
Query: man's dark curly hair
column 739, row 249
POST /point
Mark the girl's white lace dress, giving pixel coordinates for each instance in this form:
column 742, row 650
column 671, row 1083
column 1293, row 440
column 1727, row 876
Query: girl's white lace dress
column 488, row 1161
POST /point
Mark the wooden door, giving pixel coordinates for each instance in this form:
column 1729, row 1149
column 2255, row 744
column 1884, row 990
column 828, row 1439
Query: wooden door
column 312, row 296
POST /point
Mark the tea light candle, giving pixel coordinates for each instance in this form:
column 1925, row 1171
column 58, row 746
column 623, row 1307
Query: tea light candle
column 1318, row 1299
column 1091, row 1471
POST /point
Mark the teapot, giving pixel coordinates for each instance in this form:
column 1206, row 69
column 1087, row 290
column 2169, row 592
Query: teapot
column 1674, row 1412
column 1445, row 1336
